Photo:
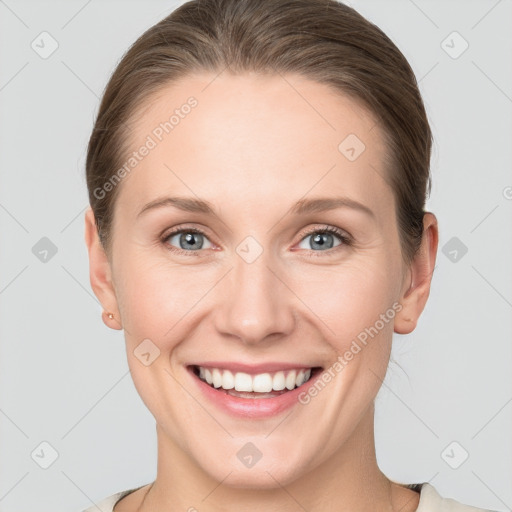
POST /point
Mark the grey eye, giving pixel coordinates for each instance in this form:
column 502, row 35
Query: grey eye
column 321, row 240
column 189, row 240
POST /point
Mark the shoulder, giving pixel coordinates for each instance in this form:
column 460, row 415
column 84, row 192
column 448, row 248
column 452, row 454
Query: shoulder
column 107, row 504
column 432, row 501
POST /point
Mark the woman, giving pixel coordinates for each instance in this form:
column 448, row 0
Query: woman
column 257, row 178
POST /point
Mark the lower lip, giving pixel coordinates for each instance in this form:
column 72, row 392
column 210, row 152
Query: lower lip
column 253, row 408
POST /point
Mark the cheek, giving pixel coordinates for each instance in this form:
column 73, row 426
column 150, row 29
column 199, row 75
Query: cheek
column 155, row 295
column 350, row 298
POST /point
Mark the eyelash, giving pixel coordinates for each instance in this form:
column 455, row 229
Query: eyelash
column 343, row 236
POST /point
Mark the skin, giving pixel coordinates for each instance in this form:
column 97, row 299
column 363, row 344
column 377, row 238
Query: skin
column 253, row 147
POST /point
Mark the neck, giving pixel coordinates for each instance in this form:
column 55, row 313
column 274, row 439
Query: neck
column 349, row 480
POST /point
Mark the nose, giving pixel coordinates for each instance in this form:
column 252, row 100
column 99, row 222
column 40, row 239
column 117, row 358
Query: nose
column 254, row 303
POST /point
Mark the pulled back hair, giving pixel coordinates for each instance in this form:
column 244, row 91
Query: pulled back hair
column 323, row 40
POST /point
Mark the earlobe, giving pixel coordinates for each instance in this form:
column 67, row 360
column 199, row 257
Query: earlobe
column 110, row 320
column 417, row 286
column 100, row 274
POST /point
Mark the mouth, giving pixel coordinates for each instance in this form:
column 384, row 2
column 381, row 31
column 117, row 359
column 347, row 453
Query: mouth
column 265, row 385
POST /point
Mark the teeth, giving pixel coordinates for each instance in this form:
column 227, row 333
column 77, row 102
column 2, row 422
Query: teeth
column 217, row 378
column 290, row 379
column 261, row 383
column 228, row 380
column 243, row 382
column 278, row 382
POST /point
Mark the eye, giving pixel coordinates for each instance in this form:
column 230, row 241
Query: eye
column 323, row 238
column 189, row 240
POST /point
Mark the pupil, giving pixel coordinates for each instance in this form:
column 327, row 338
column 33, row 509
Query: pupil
column 190, row 242
column 317, row 239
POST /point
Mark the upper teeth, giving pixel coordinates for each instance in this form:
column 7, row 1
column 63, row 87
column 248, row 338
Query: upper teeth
column 260, row 383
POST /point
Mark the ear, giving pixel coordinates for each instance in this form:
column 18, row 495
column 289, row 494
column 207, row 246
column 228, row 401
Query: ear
column 416, row 287
column 100, row 273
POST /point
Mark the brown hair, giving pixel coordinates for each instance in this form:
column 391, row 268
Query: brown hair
column 323, row 40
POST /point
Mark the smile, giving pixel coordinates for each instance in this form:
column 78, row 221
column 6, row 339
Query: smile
column 259, row 383
column 253, row 395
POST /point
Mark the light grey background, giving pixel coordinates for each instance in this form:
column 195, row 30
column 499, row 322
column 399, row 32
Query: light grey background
column 63, row 375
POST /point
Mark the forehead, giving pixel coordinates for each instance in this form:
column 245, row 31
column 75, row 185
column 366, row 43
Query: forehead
column 268, row 138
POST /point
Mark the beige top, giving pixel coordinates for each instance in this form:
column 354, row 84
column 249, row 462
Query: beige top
column 430, row 501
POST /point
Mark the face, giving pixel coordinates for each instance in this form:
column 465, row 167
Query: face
column 230, row 261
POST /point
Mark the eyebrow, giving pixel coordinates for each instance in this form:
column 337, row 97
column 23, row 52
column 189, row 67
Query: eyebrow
column 301, row 207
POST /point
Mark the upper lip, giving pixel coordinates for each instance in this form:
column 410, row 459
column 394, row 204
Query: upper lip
column 253, row 369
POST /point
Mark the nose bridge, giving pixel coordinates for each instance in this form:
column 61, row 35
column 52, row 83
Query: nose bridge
column 254, row 304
